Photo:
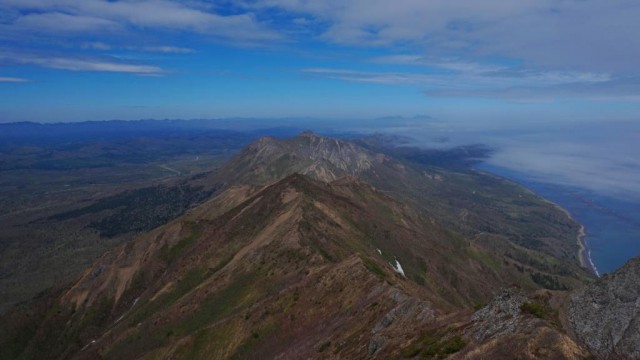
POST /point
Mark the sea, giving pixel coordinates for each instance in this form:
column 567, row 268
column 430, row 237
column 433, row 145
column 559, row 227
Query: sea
column 612, row 224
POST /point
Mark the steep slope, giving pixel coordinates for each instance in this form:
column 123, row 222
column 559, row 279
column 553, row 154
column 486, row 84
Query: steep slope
column 296, row 269
column 605, row 316
column 535, row 236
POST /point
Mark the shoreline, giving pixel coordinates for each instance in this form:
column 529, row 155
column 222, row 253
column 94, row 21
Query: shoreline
column 584, row 253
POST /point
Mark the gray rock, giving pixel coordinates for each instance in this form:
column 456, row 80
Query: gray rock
column 605, row 316
column 502, row 316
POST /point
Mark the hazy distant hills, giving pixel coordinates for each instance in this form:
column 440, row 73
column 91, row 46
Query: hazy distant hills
column 313, row 247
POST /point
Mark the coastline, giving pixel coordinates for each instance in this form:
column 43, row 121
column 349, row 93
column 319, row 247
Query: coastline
column 584, row 253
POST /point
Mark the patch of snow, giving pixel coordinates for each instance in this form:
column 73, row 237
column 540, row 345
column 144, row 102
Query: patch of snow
column 125, row 313
column 398, row 268
column 86, row 346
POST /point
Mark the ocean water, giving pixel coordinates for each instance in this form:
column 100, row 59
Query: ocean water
column 612, row 224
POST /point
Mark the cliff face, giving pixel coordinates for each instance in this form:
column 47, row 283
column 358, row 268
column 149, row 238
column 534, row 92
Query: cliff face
column 605, row 316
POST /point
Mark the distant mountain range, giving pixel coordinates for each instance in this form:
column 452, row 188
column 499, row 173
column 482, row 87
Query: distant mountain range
column 314, row 247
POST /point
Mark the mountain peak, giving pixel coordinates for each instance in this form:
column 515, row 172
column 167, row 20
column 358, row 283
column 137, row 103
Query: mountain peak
column 325, row 159
column 308, row 134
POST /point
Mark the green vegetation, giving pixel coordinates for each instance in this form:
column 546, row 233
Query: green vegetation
column 534, row 308
column 189, row 281
column 324, row 346
column 435, row 346
column 236, row 296
column 171, row 253
column 244, row 350
column 374, row 268
column 479, row 305
column 139, row 210
column 233, row 297
column 548, row 281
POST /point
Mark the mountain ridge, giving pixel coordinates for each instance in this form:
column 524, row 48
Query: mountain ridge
column 340, row 267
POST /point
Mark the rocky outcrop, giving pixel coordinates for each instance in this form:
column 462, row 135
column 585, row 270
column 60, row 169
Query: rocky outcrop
column 505, row 329
column 502, row 316
column 605, row 316
column 321, row 158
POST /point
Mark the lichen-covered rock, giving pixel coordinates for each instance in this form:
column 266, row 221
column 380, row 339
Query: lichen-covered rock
column 502, row 316
column 605, row 316
column 501, row 330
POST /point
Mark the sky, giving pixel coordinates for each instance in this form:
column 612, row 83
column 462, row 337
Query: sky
column 552, row 85
column 473, row 62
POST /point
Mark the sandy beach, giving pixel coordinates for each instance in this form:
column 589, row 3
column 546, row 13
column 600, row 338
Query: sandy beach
column 583, row 252
column 584, row 255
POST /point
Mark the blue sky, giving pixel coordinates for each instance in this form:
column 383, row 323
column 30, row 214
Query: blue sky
column 491, row 61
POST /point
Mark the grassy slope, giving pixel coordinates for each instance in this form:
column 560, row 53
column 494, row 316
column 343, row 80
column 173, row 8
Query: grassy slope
column 275, row 273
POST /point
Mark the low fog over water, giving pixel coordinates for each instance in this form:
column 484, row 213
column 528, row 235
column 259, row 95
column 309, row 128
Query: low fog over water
column 591, row 169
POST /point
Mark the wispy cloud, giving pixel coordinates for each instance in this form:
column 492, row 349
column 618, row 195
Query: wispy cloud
column 13, row 80
column 490, row 82
column 61, row 23
column 445, row 64
column 164, row 49
column 83, row 64
column 90, row 65
column 96, row 45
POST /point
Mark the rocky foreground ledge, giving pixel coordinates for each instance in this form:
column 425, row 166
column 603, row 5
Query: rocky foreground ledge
column 605, row 316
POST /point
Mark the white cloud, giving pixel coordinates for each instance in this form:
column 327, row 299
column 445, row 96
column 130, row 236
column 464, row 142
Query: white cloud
column 573, row 163
column 89, row 65
column 591, row 35
column 80, row 64
column 46, row 23
column 164, row 49
column 66, row 16
column 13, row 80
column 474, row 80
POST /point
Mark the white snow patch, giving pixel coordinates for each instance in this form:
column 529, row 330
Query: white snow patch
column 126, row 312
column 398, row 268
column 86, row 346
